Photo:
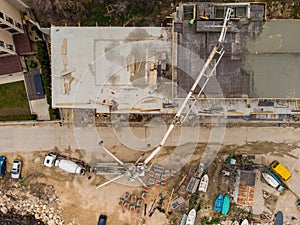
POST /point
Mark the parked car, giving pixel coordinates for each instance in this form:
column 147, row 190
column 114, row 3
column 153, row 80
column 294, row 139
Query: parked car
column 16, row 169
column 2, row 165
column 102, row 219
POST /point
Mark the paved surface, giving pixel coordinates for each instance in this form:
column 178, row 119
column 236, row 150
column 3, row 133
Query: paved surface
column 273, row 59
column 40, row 108
column 4, row 79
column 34, row 85
column 102, row 69
column 27, row 137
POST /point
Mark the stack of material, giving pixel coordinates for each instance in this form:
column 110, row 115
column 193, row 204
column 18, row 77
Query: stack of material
column 193, row 185
column 153, row 78
column 158, row 175
column 132, row 202
column 66, row 77
column 177, row 202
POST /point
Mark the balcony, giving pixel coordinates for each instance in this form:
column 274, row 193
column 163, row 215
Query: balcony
column 8, row 19
column 6, row 49
column 7, row 23
column 12, row 30
column 3, row 26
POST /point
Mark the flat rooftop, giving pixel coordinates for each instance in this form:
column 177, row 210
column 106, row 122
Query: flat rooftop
column 110, row 68
column 261, row 59
column 272, row 60
column 151, row 69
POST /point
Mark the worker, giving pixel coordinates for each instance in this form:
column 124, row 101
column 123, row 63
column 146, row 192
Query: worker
column 192, row 21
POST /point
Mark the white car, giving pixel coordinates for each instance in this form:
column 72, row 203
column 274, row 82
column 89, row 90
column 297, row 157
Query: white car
column 16, row 169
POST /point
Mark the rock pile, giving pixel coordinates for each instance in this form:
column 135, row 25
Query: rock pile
column 18, row 204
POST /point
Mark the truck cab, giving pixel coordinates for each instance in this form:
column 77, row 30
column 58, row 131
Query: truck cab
column 50, row 159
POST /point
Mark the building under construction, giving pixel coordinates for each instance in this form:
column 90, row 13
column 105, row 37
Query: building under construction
column 151, row 69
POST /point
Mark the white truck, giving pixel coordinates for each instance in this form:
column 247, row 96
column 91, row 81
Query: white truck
column 68, row 164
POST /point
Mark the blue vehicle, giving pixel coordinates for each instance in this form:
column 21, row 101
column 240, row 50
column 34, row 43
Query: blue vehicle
column 2, row 165
column 102, row 220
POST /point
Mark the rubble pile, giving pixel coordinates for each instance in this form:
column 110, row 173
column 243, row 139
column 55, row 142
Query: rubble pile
column 29, row 206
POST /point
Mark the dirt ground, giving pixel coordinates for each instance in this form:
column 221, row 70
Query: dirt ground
column 81, row 203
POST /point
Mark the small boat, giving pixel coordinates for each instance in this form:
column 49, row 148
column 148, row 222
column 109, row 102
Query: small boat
column 226, row 205
column 235, row 223
column 191, row 217
column 183, row 220
column 279, row 218
column 203, row 183
column 219, row 203
column 270, row 180
column 201, row 169
column 245, row 222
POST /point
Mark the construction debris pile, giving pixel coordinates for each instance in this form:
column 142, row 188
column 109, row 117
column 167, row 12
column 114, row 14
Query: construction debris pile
column 23, row 207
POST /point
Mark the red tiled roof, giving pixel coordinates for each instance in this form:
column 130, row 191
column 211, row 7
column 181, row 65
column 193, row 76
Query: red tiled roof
column 246, row 195
column 22, row 42
column 10, row 64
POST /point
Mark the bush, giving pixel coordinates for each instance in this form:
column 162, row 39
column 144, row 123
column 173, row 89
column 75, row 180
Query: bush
column 214, row 220
column 18, row 117
column 43, row 57
column 31, row 64
column 37, row 31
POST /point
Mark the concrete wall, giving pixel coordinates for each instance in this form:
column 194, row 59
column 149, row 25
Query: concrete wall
column 6, row 37
column 11, row 11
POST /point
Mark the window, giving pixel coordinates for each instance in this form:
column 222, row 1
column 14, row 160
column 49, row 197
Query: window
column 11, row 30
column 8, row 19
column 18, row 25
column 1, row 43
column 3, row 26
column 10, row 47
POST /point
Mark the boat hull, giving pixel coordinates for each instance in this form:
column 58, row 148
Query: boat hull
column 245, row 222
column 191, row 217
column 204, row 183
column 183, row 220
column 226, row 205
column 279, row 218
column 270, row 180
column 219, row 203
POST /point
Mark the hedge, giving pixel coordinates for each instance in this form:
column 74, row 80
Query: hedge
column 18, row 117
column 43, row 57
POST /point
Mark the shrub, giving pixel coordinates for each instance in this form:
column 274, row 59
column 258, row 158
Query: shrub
column 43, row 57
column 18, row 117
column 31, row 64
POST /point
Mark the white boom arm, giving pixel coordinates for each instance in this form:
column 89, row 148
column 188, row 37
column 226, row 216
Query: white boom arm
column 177, row 119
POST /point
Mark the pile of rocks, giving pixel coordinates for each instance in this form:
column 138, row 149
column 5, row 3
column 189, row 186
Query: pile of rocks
column 280, row 9
column 15, row 203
